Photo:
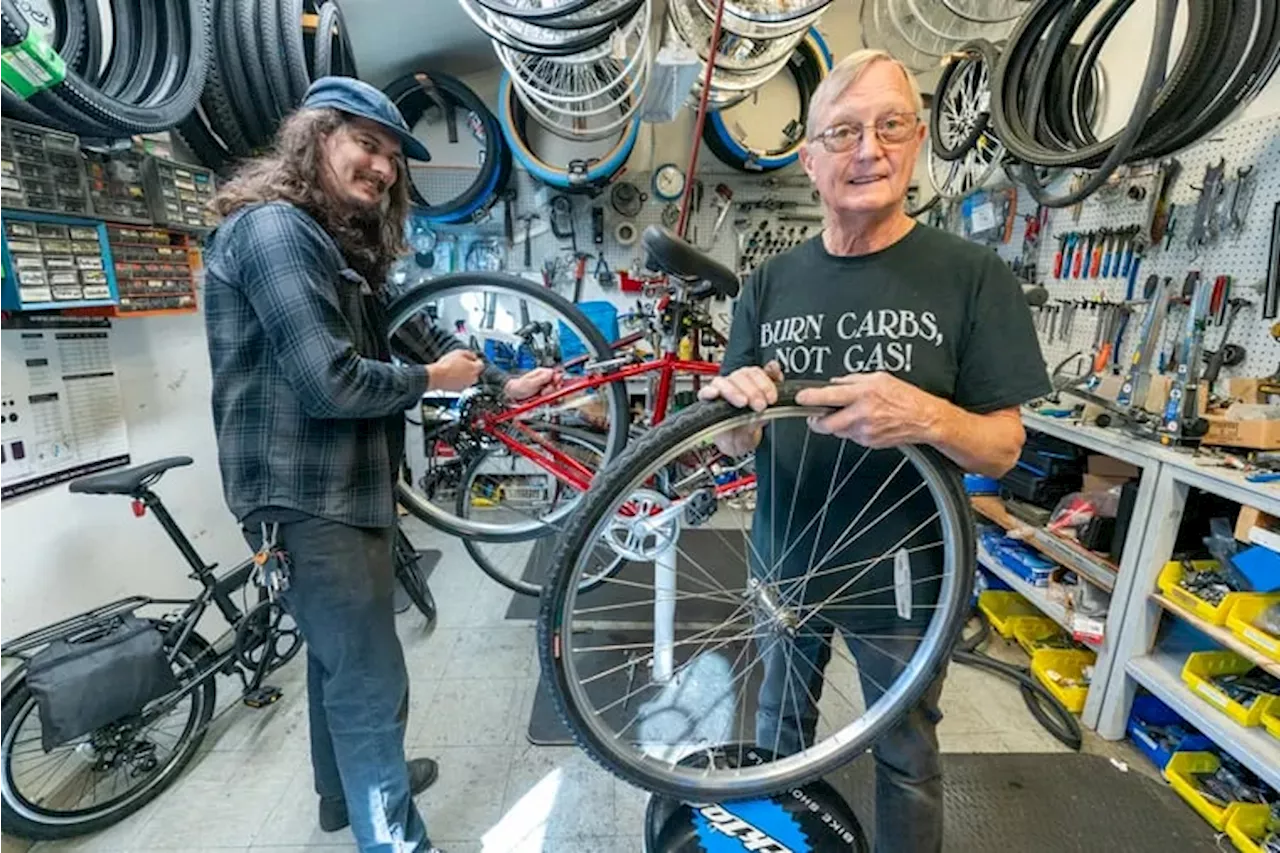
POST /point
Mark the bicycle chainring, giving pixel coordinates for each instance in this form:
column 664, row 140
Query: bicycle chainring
column 260, row 633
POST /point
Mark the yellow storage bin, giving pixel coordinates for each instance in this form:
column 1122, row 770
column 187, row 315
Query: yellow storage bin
column 1003, row 609
column 1179, row 772
column 1066, row 664
column 1271, row 720
column 1240, row 620
column 1201, row 666
column 1035, row 633
column 1248, row 826
column 1213, row 614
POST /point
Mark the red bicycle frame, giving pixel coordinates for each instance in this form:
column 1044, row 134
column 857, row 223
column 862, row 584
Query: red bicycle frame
column 559, row 464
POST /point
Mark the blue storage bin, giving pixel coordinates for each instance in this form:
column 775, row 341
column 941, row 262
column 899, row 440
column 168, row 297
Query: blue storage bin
column 1260, row 566
column 1149, row 711
column 603, row 315
column 977, row 484
column 499, row 353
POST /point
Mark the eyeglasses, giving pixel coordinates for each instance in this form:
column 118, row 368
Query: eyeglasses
column 893, row 129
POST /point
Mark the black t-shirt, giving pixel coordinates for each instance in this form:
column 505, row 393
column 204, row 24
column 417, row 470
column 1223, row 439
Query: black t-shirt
column 932, row 309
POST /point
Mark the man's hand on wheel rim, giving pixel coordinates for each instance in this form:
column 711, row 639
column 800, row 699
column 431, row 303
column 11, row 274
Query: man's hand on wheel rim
column 875, row 410
column 752, row 387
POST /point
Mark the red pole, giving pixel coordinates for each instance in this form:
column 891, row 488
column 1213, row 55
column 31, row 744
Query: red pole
column 686, row 196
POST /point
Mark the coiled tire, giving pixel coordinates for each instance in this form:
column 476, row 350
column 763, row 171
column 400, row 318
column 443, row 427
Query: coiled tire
column 413, row 94
column 809, row 65
column 75, row 103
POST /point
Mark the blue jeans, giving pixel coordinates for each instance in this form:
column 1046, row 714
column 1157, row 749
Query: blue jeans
column 909, row 809
column 341, row 595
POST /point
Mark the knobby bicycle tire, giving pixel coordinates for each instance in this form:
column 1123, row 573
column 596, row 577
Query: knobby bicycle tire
column 21, row 821
column 611, row 487
column 414, row 301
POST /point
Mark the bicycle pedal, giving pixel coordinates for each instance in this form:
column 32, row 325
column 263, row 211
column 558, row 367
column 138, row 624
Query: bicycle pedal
column 262, row 696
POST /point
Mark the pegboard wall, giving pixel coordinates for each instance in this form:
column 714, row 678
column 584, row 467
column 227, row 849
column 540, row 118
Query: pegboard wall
column 1253, row 143
column 789, row 197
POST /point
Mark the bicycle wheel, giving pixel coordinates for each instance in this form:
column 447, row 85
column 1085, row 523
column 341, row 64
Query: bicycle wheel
column 523, row 566
column 806, row 621
column 99, row 779
column 412, row 579
column 517, row 326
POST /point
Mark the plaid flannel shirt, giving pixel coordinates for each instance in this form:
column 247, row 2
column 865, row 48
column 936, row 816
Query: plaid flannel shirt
column 307, row 408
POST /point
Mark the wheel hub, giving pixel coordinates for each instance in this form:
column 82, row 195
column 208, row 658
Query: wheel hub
column 776, row 616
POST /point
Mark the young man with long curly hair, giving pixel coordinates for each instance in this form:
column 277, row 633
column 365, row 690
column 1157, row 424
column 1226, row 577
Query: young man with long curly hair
column 308, row 409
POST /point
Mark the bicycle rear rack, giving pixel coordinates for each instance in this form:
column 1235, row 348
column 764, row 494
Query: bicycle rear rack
column 49, row 633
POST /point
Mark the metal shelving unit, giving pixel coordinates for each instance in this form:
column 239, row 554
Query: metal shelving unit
column 1036, row 595
column 1161, row 673
column 1130, row 649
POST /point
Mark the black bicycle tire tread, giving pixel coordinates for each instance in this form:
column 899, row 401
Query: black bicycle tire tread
column 16, row 824
column 422, row 294
column 250, row 50
column 295, row 50
column 276, row 74
column 221, row 114
column 419, row 593
column 71, row 29
column 323, row 59
column 94, row 113
column 620, row 471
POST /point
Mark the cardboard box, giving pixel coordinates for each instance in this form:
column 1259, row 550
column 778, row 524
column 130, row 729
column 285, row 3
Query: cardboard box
column 1248, row 518
column 1254, row 435
column 1107, row 466
column 1095, row 483
column 1158, row 393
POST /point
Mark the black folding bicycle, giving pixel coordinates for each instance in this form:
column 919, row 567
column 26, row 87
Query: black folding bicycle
column 97, row 779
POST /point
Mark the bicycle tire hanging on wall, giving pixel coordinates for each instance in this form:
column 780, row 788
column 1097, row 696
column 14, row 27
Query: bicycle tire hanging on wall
column 1229, row 53
column 809, row 65
column 576, row 176
column 414, row 94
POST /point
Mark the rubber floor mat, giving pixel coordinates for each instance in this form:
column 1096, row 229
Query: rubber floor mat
column 705, row 548
column 1047, row 803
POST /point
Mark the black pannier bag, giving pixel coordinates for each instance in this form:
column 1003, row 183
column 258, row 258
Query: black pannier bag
column 98, row 675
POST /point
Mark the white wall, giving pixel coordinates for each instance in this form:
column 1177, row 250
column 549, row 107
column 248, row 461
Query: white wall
column 61, row 553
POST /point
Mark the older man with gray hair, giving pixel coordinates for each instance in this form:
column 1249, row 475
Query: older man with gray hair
column 920, row 338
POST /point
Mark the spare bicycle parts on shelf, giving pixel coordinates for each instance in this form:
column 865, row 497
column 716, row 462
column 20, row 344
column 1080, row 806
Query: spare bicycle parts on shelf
column 151, row 81
column 417, row 93
column 809, row 65
column 578, row 175
column 1228, row 54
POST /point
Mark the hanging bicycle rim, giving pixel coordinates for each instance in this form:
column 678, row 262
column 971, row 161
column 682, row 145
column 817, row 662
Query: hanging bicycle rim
column 809, row 66
column 577, row 175
column 516, row 325
column 415, row 94
column 734, row 569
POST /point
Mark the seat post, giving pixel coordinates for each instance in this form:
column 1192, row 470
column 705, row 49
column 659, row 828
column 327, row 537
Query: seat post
column 153, row 503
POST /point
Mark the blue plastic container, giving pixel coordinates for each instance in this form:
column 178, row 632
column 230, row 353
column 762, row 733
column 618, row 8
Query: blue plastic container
column 603, row 315
column 1149, row 711
column 1261, row 566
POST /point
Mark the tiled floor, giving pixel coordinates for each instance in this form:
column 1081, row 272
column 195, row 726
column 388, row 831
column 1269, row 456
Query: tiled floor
column 473, row 682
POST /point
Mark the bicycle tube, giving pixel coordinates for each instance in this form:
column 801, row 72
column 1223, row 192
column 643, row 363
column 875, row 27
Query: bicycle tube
column 617, row 484
column 809, row 65
column 577, row 176
column 413, row 301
